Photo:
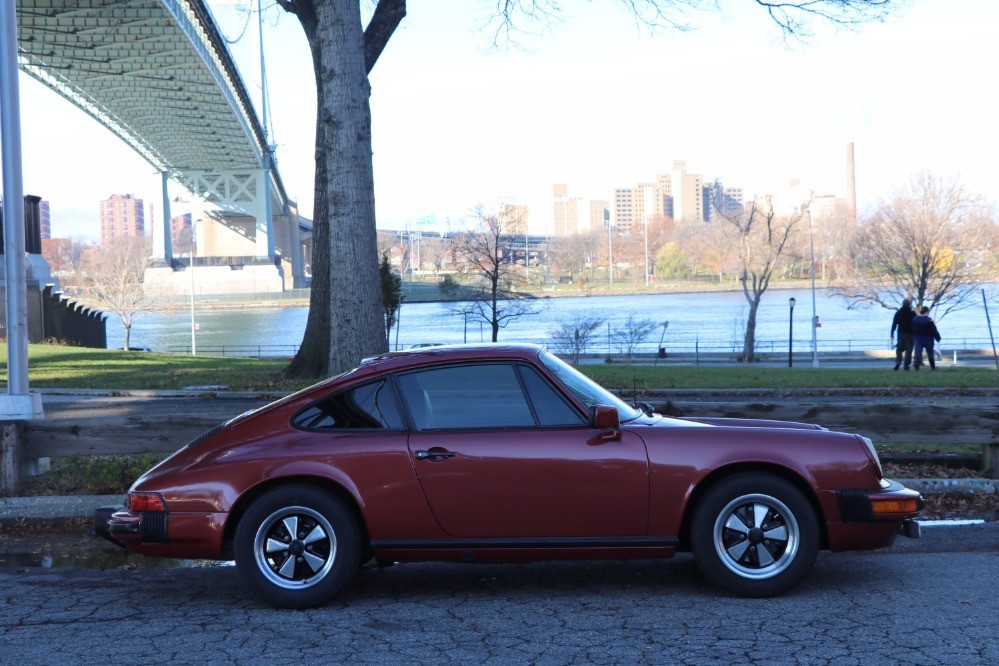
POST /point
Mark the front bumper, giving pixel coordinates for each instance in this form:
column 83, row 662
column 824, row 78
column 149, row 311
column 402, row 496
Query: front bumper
column 870, row 519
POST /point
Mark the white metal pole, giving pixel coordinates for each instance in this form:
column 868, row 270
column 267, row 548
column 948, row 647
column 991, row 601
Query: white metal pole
column 646, row 250
column 610, row 254
column 815, row 318
column 194, row 344
column 268, row 159
column 13, row 206
column 527, row 260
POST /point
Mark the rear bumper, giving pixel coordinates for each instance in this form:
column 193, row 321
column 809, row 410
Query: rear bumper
column 163, row 534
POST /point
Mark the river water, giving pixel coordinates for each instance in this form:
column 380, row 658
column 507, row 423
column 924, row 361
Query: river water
column 711, row 322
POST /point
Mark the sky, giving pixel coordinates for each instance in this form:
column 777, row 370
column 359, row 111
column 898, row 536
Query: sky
column 595, row 102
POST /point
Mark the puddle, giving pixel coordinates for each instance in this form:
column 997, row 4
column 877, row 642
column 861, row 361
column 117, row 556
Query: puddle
column 76, row 551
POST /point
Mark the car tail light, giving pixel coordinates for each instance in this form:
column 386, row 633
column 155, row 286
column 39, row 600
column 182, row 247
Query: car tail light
column 894, row 505
column 152, row 502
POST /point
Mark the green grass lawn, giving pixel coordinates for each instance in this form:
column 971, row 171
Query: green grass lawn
column 76, row 367
column 756, row 377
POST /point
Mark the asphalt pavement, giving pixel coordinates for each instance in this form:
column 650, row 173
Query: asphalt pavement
column 931, row 601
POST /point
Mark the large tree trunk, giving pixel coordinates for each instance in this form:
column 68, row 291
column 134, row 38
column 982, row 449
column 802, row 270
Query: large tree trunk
column 345, row 321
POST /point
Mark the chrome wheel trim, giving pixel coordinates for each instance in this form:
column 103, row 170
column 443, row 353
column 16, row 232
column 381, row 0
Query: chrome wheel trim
column 756, row 536
column 295, row 547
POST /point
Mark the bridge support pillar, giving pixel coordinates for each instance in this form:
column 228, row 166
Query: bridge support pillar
column 265, row 220
column 296, row 250
column 246, row 192
column 162, row 233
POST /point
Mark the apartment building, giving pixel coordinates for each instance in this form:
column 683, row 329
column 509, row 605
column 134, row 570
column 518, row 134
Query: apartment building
column 122, row 215
column 686, row 190
column 513, row 219
column 575, row 215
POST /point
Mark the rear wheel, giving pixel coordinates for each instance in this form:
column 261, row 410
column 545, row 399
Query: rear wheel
column 754, row 534
column 297, row 546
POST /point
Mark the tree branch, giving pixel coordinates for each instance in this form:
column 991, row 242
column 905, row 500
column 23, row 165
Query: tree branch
column 387, row 17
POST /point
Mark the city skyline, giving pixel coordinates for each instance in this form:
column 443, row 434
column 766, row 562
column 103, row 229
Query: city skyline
column 596, row 103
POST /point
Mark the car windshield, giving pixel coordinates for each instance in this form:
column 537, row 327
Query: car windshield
column 589, row 392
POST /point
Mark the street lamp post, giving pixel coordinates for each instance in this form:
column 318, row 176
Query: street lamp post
column 815, row 318
column 194, row 347
column 646, row 250
column 790, row 333
column 610, row 254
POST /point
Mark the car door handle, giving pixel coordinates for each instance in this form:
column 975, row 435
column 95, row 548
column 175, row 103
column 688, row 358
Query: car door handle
column 423, row 455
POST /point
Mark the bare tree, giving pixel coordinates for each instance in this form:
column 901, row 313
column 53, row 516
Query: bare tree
column 65, row 257
column 762, row 235
column 115, row 271
column 633, row 333
column 926, row 242
column 436, row 251
column 345, row 315
column 573, row 254
column 572, row 336
column 486, row 251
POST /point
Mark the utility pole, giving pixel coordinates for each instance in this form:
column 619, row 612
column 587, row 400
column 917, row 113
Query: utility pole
column 815, row 317
column 610, row 253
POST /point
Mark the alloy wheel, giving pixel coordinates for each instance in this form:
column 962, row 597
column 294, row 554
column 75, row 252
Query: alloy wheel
column 756, row 536
column 295, row 547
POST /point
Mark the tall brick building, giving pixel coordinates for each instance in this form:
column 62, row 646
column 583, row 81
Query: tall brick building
column 44, row 219
column 122, row 215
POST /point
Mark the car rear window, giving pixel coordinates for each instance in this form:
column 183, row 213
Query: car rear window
column 372, row 406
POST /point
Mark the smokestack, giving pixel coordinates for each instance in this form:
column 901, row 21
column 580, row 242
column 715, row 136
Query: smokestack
column 851, row 187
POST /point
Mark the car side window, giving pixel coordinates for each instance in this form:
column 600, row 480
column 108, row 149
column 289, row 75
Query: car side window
column 372, row 406
column 551, row 408
column 485, row 395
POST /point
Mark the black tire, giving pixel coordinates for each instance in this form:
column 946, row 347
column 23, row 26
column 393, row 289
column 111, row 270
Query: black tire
column 754, row 534
column 305, row 569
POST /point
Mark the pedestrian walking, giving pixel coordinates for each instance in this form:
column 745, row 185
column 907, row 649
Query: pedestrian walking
column 924, row 332
column 903, row 322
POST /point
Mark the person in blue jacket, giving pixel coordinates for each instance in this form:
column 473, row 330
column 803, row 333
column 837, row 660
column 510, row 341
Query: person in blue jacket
column 924, row 332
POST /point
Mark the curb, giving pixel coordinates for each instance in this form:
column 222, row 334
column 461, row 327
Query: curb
column 52, row 508
column 961, row 486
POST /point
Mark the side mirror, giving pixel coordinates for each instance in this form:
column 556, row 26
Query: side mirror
column 607, row 420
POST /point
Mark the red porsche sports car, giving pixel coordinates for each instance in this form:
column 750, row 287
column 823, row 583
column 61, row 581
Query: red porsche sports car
column 503, row 453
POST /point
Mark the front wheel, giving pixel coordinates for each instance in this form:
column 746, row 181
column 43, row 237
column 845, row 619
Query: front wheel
column 755, row 535
column 297, row 546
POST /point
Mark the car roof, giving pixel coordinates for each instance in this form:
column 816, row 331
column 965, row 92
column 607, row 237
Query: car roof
column 421, row 356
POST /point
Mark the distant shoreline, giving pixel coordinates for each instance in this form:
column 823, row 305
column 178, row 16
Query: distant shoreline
column 221, row 301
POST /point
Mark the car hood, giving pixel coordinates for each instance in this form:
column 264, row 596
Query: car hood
column 660, row 421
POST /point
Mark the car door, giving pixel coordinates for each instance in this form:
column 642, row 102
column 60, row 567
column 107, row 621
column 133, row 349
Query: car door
column 501, row 453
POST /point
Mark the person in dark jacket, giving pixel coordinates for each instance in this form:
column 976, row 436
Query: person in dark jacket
column 924, row 332
column 903, row 322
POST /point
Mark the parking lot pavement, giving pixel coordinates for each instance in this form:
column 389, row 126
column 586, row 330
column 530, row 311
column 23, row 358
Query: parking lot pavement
column 927, row 602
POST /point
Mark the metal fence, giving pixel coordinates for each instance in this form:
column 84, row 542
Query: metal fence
column 650, row 348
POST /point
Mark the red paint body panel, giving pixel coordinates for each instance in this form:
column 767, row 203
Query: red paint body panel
column 519, row 483
column 536, row 483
